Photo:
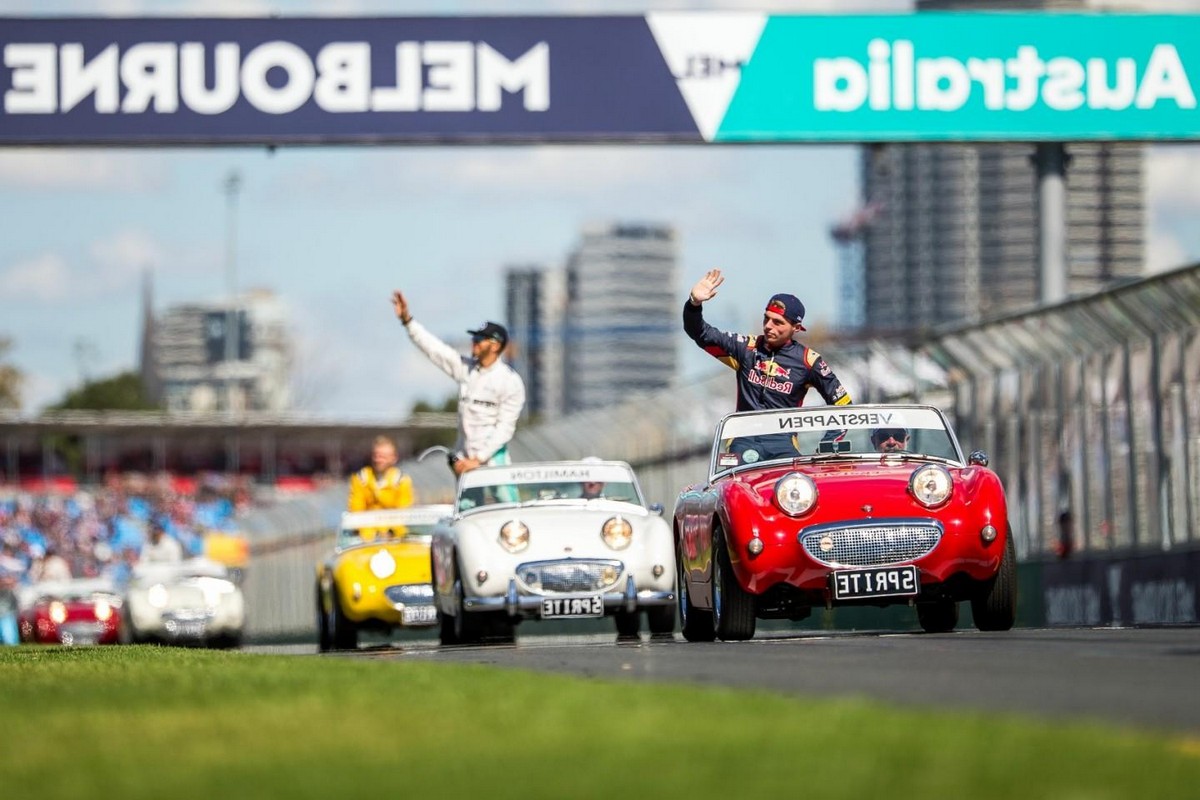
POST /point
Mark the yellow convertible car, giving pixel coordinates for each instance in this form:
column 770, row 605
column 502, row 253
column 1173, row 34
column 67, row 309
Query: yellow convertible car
column 377, row 577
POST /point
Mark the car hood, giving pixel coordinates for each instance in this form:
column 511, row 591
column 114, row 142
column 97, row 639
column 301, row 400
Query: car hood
column 883, row 483
column 557, row 532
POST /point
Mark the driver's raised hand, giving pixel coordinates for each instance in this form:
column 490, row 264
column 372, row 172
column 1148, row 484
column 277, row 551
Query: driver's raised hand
column 401, row 306
column 706, row 287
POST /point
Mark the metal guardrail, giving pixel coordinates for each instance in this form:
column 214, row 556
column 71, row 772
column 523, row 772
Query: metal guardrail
column 1090, row 408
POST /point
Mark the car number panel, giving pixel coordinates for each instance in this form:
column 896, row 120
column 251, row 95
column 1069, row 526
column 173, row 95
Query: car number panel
column 572, row 607
column 857, row 584
column 418, row 615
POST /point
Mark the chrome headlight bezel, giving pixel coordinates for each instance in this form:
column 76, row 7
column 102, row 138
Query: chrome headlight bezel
column 158, row 596
column 514, row 536
column 931, row 485
column 617, row 533
column 795, row 494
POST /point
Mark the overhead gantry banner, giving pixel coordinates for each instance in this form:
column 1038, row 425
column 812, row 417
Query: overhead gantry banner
column 669, row 77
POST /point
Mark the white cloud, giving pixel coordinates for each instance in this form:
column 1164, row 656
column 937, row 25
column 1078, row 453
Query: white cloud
column 31, row 168
column 44, row 278
column 1164, row 252
column 121, row 258
column 1172, row 178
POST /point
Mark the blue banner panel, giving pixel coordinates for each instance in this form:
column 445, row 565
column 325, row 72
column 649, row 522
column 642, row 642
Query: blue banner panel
column 336, row 80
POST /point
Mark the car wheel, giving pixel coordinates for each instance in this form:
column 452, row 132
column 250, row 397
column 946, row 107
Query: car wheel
column 995, row 607
column 733, row 606
column 501, row 629
column 939, row 616
column 661, row 619
column 696, row 624
column 466, row 627
column 628, row 624
column 344, row 634
column 324, row 640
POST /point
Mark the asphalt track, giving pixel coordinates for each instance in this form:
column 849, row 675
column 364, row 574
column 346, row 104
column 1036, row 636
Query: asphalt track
column 1140, row 677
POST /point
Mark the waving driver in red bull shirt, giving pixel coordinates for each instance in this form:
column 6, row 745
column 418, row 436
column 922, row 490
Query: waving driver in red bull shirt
column 773, row 370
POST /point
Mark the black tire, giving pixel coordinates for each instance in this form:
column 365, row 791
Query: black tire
column 995, row 607
column 940, row 616
column 733, row 607
column 661, row 620
column 446, row 633
column 344, row 634
column 696, row 624
column 500, row 628
column 324, row 639
column 628, row 624
column 467, row 629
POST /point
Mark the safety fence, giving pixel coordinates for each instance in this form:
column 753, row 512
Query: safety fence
column 1089, row 411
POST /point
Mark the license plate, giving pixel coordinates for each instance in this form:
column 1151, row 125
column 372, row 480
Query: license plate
column 418, row 615
column 190, row 629
column 852, row 584
column 559, row 607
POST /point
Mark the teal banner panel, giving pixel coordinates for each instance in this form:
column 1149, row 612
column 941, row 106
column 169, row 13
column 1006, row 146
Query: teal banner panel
column 969, row 77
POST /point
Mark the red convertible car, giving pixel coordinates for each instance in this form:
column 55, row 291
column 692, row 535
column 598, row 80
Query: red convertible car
column 82, row 611
column 834, row 506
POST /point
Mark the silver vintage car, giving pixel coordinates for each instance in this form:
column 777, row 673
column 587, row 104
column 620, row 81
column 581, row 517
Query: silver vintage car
column 551, row 541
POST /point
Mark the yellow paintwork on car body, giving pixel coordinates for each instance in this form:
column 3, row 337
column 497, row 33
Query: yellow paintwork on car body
column 352, row 567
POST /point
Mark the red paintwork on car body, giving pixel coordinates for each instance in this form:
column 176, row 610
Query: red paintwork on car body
column 847, row 492
column 36, row 626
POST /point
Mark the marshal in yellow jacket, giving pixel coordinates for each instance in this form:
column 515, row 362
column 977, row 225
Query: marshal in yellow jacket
column 370, row 492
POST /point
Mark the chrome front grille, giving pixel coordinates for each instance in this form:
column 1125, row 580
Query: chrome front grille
column 569, row 576
column 410, row 593
column 871, row 544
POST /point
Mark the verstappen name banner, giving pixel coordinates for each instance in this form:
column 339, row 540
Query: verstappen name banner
column 675, row 76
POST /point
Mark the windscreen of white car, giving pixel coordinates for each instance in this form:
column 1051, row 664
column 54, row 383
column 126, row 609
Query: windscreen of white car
column 853, row 431
column 548, row 483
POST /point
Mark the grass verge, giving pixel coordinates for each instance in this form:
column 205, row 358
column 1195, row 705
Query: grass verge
column 134, row 722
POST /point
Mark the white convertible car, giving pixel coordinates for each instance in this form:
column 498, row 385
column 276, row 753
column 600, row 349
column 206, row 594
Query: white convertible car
column 561, row 540
column 189, row 602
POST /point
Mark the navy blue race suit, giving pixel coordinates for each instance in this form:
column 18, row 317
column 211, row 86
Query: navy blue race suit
column 765, row 379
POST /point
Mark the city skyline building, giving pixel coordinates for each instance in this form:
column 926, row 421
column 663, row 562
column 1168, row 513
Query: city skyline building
column 952, row 230
column 535, row 303
column 188, row 364
column 621, row 322
column 604, row 326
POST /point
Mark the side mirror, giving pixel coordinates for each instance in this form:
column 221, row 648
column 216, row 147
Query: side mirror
column 656, row 508
column 978, row 458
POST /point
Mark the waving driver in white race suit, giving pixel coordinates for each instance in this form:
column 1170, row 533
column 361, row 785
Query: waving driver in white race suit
column 490, row 393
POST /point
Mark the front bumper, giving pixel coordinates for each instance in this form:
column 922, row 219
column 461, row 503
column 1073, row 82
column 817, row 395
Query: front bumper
column 514, row 603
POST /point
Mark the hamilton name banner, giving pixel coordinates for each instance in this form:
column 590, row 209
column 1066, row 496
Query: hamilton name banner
column 686, row 77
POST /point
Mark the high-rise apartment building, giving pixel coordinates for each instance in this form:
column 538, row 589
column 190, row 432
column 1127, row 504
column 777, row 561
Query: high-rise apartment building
column 621, row 322
column 534, row 301
column 602, row 328
column 953, row 233
column 193, row 366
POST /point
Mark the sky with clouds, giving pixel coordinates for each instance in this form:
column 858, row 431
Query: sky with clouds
column 333, row 230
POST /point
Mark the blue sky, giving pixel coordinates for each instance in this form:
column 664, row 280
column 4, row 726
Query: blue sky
column 333, row 230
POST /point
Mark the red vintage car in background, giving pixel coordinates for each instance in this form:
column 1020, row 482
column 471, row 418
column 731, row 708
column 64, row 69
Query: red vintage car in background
column 832, row 506
column 82, row 611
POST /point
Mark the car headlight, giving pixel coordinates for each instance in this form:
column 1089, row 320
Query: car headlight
column 104, row 611
column 617, row 533
column 382, row 564
column 58, row 613
column 157, row 596
column 931, row 485
column 514, row 536
column 795, row 493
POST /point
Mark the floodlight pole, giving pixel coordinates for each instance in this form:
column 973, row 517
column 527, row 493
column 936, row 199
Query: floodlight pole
column 1051, row 160
column 233, row 184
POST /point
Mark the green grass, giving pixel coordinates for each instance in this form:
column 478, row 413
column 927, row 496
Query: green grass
column 135, row 722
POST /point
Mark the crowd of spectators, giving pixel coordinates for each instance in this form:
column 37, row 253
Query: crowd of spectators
column 104, row 531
